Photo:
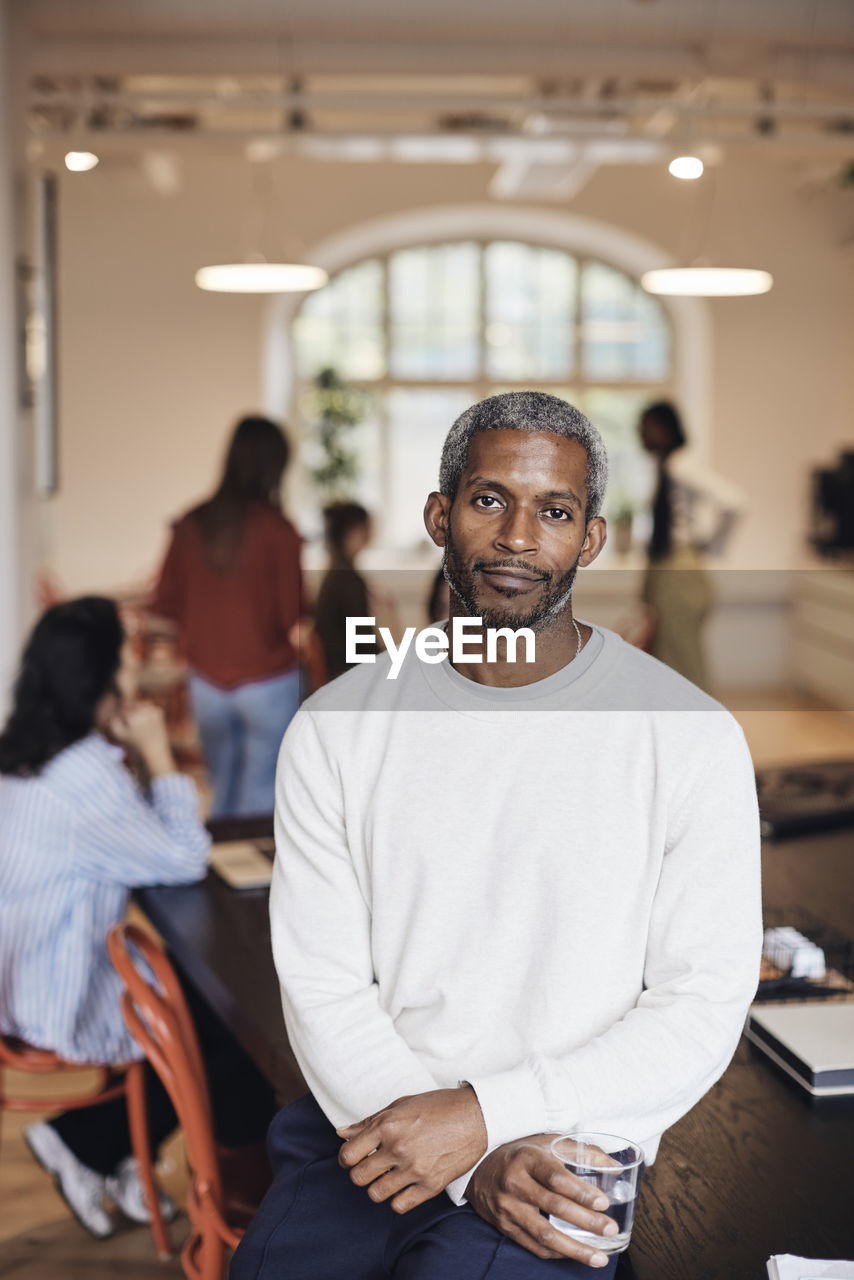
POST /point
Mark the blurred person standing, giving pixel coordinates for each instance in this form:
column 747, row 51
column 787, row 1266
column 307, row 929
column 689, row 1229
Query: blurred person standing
column 344, row 593
column 693, row 514
column 232, row 582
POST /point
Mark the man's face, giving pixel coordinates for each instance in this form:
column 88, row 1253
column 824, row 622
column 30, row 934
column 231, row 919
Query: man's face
column 515, row 532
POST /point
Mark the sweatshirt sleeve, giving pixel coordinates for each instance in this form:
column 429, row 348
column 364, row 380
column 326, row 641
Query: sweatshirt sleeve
column 348, row 1049
column 701, row 971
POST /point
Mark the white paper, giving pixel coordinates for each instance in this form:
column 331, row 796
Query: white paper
column 241, row 864
column 785, row 1266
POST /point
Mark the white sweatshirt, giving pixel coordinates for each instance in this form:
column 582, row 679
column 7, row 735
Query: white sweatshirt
column 551, row 892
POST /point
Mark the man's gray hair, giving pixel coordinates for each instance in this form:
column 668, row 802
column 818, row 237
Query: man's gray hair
column 525, row 411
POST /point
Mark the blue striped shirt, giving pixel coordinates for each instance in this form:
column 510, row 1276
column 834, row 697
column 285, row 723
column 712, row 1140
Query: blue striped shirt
column 73, row 842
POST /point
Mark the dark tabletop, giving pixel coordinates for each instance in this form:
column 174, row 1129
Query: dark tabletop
column 756, row 1168
column 220, row 938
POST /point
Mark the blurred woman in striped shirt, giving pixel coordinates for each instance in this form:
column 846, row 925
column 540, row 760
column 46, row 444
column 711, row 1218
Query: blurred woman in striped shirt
column 77, row 833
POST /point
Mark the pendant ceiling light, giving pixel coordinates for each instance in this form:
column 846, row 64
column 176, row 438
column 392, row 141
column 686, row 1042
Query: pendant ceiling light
column 264, row 228
column 707, row 282
column 261, row 277
column 699, row 277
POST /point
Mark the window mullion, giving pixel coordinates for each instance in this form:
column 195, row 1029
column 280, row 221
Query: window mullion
column 578, row 331
column 585, row 386
column 482, row 381
column 382, row 408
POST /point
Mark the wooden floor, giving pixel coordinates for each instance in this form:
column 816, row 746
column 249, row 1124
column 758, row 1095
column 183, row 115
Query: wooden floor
column 61, row 1250
column 39, row 1240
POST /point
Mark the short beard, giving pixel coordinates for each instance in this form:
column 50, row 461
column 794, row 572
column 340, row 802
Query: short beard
column 463, row 582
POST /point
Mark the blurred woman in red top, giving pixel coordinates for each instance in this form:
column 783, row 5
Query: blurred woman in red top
column 232, row 582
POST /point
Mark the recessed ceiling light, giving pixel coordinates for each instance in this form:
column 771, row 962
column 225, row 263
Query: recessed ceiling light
column 80, row 161
column 686, row 167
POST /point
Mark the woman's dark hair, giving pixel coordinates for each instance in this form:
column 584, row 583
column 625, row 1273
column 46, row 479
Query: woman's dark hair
column 667, row 416
column 70, row 661
column 257, row 457
column 661, row 538
column 338, row 520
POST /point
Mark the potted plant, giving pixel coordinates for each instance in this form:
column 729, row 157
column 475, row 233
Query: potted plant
column 623, row 521
column 336, row 410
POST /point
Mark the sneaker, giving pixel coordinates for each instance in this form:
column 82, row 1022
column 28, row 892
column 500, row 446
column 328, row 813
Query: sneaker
column 125, row 1189
column 81, row 1188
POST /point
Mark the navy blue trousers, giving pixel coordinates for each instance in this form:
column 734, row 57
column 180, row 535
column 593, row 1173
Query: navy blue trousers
column 314, row 1224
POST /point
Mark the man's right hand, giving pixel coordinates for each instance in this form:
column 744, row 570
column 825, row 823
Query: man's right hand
column 514, row 1182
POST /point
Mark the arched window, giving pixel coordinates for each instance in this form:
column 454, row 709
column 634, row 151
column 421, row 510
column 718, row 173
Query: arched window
column 426, row 330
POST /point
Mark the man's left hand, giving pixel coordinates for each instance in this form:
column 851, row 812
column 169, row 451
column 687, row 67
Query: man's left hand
column 413, row 1148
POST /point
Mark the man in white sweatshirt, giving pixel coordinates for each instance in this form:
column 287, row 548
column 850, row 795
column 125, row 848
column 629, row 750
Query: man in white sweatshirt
column 510, row 900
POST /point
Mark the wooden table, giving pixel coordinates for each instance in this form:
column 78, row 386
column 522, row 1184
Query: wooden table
column 220, row 938
column 756, row 1168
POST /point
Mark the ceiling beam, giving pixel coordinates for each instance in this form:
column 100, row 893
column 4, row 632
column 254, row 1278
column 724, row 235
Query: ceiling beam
column 826, row 68
column 88, row 97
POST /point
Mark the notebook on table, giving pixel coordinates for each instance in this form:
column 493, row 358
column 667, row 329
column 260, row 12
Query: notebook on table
column 812, row 1041
column 241, row 864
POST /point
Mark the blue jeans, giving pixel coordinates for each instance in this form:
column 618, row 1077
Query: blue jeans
column 315, row 1224
column 241, row 731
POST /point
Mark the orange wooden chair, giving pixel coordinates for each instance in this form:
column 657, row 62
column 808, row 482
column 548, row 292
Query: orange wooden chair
column 19, row 1056
column 157, row 1017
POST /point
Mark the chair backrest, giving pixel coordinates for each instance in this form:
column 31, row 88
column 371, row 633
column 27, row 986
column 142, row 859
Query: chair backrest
column 24, row 1057
column 156, row 1014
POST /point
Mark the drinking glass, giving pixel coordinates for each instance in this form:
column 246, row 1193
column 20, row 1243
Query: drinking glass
column 612, row 1165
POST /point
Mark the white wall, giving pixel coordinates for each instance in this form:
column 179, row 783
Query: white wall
column 8, row 433
column 153, row 372
column 17, row 540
